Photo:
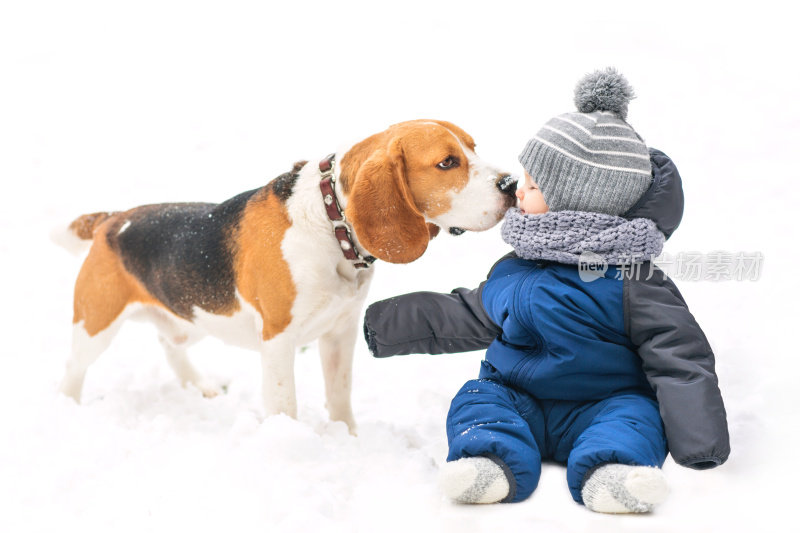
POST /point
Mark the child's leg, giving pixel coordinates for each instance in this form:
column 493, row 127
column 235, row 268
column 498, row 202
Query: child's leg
column 495, row 424
column 624, row 430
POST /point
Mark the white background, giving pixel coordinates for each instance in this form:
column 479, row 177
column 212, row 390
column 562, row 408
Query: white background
column 109, row 105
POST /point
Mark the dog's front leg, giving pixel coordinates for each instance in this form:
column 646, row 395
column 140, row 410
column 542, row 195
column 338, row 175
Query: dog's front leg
column 336, row 351
column 277, row 365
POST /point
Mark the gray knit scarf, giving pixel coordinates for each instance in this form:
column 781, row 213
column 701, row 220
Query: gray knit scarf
column 562, row 236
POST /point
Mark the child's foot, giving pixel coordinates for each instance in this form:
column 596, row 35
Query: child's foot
column 474, row 480
column 616, row 488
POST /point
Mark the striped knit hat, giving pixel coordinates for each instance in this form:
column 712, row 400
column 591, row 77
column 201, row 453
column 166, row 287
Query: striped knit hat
column 591, row 160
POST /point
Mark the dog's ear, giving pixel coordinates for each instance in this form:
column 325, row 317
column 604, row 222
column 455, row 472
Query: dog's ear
column 382, row 210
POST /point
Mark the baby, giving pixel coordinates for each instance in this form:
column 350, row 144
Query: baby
column 605, row 371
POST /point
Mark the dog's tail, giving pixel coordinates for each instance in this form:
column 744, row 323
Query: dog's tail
column 83, row 227
column 77, row 237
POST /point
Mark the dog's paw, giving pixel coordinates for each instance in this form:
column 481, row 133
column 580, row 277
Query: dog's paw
column 208, row 389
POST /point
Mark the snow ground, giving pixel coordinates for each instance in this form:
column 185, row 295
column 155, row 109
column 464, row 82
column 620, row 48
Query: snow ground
column 106, row 106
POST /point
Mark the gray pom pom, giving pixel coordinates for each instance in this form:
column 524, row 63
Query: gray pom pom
column 604, row 90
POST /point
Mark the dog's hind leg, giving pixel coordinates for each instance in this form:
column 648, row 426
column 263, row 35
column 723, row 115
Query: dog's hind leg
column 86, row 349
column 175, row 337
column 178, row 360
column 102, row 293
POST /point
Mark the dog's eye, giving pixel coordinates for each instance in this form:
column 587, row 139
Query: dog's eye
column 450, row 162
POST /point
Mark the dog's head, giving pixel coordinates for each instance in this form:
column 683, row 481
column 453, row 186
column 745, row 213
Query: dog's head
column 404, row 184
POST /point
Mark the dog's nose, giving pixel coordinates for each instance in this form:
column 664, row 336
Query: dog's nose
column 507, row 184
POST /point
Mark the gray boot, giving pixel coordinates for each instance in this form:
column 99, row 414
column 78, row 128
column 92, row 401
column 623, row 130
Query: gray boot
column 616, row 488
column 474, row 480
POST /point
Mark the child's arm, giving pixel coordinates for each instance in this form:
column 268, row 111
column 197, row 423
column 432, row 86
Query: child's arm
column 429, row 322
column 679, row 364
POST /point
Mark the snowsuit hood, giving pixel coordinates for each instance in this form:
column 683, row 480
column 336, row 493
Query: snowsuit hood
column 663, row 201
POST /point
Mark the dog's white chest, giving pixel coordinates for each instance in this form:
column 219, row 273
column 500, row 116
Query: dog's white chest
column 328, row 306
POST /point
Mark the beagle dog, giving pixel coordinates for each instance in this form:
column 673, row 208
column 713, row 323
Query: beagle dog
column 275, row 268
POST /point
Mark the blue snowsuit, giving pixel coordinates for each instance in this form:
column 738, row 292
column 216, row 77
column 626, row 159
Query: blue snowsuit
column 561, row 382
column 581, row 373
